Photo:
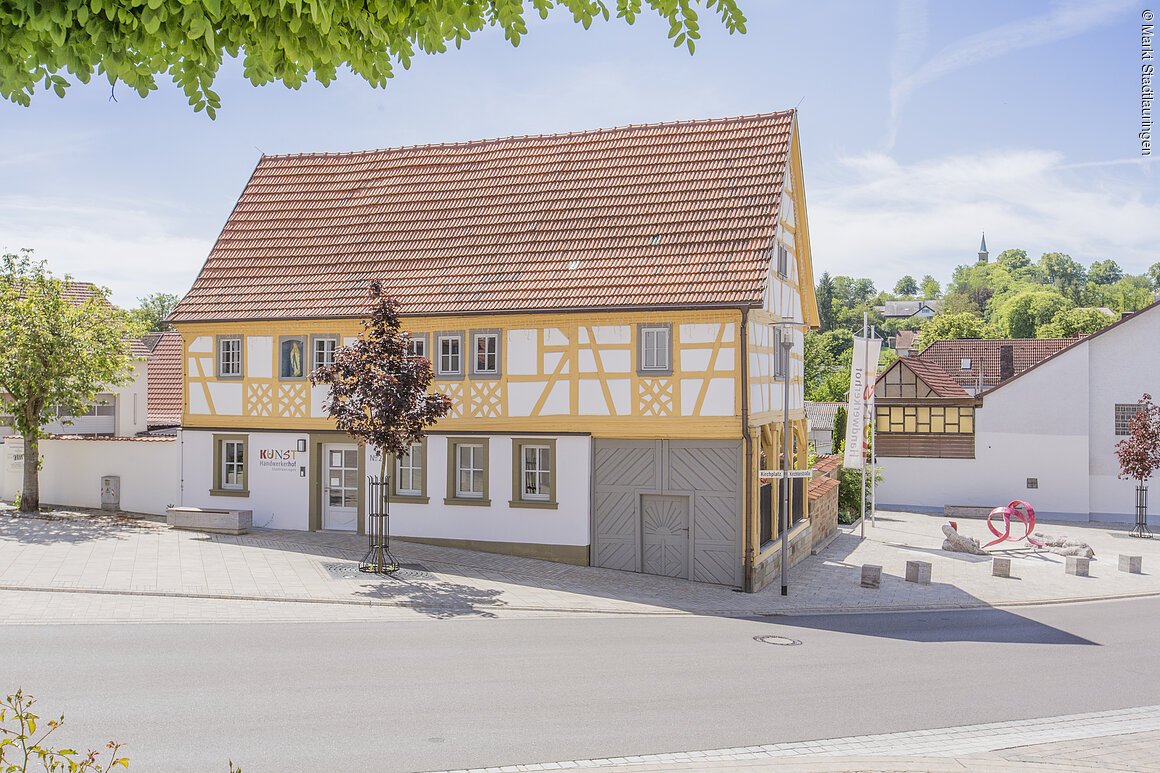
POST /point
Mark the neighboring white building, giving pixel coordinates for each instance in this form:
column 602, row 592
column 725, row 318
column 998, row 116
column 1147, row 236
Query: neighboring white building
column 1047, row 435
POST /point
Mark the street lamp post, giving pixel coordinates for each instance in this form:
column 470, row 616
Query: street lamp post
column 783, row 518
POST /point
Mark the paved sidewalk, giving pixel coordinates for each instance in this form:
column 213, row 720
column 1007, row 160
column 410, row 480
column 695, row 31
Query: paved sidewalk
column 92, row 556
column 1120, row 740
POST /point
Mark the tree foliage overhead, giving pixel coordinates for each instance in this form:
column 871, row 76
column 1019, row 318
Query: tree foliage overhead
column 55, row 353
column 153, row 310
column 134, row 41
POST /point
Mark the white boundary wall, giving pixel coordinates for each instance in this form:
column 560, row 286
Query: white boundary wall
column 72, row 469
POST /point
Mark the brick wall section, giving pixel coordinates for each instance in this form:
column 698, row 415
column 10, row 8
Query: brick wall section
column 815, row 533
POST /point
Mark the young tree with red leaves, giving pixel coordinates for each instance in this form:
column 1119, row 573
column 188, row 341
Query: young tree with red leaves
column 379, row 393
column 1139, row 453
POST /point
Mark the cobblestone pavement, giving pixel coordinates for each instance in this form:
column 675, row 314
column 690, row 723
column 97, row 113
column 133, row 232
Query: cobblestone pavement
column 1121, row 740
column 283, row 575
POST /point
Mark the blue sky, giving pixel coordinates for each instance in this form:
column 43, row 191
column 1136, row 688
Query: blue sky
column 923, row 123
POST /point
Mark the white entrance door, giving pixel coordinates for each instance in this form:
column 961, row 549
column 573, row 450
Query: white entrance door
column 340, row 487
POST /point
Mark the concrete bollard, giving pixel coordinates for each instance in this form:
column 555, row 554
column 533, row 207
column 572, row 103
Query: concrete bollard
column 918, row 571
column 1001, row 567
column 1077, row 565
column 1131, row 564
column 871, row 576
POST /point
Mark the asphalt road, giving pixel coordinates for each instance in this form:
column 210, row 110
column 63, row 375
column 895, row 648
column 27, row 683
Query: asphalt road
column 471, row 692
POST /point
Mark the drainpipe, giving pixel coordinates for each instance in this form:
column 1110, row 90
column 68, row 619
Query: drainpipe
column 750, row 556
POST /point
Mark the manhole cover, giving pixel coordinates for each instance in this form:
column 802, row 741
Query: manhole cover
column 783, row 641
column 349, row 571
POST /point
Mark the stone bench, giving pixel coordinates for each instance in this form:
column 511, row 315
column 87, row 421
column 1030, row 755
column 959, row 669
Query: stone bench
column 210, row 520
column 1131, row 564
column 871, row 576
column 1077, row 565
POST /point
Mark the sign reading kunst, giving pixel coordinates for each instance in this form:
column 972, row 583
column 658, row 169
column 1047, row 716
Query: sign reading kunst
column 278, row 459
column 863, row 371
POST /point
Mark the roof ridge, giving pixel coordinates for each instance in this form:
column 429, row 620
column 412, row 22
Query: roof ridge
column 527, row 137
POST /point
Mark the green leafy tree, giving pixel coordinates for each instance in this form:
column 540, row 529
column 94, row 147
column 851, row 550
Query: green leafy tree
column 1021, row 313
column 930, row 287
column 1105, row 272
column 1069, row 323
column 906, row 286
column 153, row 309
column 825, row 353
column 949, row 327
column 825, row 296
column 1154, row 276
column 1068, row 275
column 1014, row 259
column 134, row 41
column 1130, row 293
column 55, row 353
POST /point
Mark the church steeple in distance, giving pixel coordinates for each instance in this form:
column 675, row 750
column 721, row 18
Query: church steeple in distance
column 983, row 249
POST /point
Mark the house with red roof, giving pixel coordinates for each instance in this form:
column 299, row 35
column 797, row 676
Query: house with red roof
column 1042, row 428
column 599, row 306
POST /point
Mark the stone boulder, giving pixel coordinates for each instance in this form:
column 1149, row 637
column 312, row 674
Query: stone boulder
column 958, row 543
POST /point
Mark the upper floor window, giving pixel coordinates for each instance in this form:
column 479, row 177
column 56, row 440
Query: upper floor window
column 101, row 408
column 324, row 349
column 450, row 355
column 230, row 357
column 486, row 354
column 417, row 346
column 782, row 260
column 656, row 349
column 966, row 363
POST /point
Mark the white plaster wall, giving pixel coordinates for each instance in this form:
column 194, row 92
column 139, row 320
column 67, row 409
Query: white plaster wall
column 72, row 471
column 1124, row 364
column 260, row 356
column 279, row 492
column 567, row 525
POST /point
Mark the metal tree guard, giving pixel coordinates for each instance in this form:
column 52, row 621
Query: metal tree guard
column 1141, row 529
column 378, row 559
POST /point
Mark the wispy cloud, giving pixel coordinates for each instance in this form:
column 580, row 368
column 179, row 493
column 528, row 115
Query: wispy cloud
column 908, row 73
column 131, row 247
column 886, row 219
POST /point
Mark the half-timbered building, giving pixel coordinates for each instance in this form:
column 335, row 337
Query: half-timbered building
column 599, row 306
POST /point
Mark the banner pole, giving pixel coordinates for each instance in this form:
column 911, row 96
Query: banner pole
column 862, row 425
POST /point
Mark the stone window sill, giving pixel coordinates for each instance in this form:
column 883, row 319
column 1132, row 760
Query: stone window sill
column 533, row 504
column 229, row 492
column 468, row 501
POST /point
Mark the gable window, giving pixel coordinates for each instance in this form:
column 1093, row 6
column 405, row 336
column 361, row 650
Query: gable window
column 229, row 359
column 486, row 347
column 409, row 473
column 782, row 260
column 450, row 355
column 467, row 471
column 231, row 456
column 655, row 345
column 324, row 349
column 1124, row 414
column 533, row 473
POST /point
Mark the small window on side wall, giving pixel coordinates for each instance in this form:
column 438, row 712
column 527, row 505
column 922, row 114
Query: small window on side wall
column 782, row 260
column 654, row 350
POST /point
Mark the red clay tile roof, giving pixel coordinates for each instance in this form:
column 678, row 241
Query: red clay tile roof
column 826, row 463
column 658, row 215
column 819, row 487
column 164, row 385
column 985, row 353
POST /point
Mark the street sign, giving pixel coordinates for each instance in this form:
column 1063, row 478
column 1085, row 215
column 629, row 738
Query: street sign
column 781, row 473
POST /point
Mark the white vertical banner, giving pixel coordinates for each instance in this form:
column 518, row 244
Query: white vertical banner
column 863, row 371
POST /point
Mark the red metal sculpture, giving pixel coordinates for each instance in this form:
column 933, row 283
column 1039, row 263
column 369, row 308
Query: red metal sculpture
column 1020, row 510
